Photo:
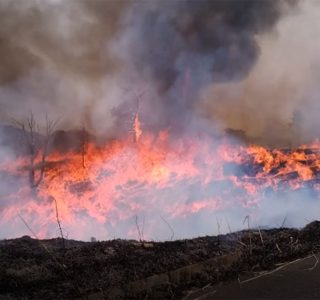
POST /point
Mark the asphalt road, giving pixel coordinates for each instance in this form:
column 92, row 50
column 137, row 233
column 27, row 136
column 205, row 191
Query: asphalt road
column 297, row 280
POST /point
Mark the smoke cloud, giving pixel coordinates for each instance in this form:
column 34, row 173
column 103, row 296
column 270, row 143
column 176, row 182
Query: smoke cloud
column 86, row 62
column 182, row 46
column 277, row 104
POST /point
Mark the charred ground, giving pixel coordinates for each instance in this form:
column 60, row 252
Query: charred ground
column 122, row 269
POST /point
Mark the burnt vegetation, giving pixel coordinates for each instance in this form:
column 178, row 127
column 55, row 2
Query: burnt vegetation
column 128, row 269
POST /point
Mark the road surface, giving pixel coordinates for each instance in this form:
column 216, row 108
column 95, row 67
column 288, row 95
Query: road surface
column 299, row 279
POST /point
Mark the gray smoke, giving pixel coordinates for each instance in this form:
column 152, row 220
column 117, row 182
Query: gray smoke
column 55, row 59
column 85, row 62
column 277, row 104
column 180, row 47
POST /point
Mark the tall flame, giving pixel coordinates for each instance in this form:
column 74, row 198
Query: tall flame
column 137, row 127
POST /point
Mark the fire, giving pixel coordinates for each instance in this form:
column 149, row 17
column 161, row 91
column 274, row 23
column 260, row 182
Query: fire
column 123, row 179
column 137, row 127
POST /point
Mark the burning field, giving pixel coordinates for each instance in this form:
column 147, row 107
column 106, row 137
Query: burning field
column 158, row 121
column 147, row 181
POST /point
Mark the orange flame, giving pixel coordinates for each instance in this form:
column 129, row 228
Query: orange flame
column 178, row 177
column 137, row 127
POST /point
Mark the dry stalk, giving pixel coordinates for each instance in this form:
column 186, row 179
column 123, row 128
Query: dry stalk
column 143, row 223
column 247, row 218
column 219, row 226
column 171, row 229
column 284, row 221
column 260, row 236
column 140, row 232
column 42, row 244
column 229, row 228
column 59, row 223
column 242, row 243
column 278, row 248
column 219, row 232
column 53, row 257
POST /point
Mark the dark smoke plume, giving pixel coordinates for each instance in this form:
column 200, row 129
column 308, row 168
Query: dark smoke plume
column 183, row 46
column 213, row 36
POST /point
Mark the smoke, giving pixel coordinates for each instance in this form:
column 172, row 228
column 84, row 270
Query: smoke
column 55, row 60
column 178, row 48
column 278, row 103
column 85, row 62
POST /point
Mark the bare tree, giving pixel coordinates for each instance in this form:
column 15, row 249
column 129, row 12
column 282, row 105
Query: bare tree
column 37, row 146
